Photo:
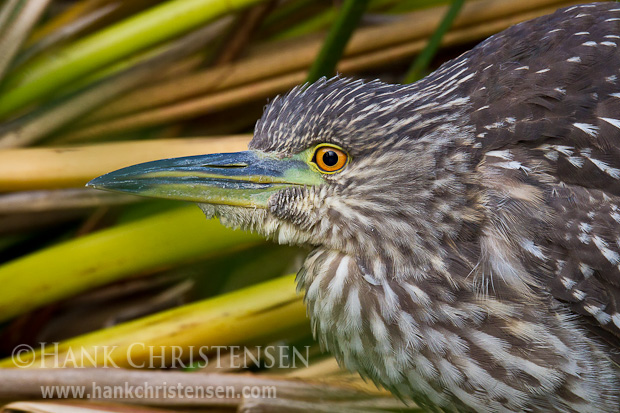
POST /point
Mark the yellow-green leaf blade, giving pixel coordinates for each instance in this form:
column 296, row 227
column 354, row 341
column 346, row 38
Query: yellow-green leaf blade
column 228, row 319
column 146, row 29
column 66, row 269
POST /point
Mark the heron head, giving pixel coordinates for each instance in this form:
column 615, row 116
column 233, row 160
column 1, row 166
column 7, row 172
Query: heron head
column 348, row 165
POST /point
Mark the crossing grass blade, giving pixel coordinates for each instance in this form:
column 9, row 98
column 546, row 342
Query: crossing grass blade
column 420, row 65
column 333, row 47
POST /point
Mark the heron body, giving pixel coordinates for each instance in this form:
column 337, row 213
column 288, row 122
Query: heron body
column 465, row 228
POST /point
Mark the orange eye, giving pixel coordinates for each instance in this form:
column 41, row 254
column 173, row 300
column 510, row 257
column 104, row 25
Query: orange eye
column 330, row 159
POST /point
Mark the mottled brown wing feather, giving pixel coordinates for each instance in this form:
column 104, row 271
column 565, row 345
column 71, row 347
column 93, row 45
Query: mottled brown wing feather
column 585, row 240
column 548, row 102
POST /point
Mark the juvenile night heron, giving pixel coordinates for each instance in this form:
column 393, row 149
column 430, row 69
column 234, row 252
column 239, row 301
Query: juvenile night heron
column 466, row 228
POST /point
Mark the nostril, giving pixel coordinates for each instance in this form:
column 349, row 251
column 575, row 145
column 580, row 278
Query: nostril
column 227, row 166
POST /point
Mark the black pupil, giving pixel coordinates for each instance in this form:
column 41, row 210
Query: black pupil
column 330, row 158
